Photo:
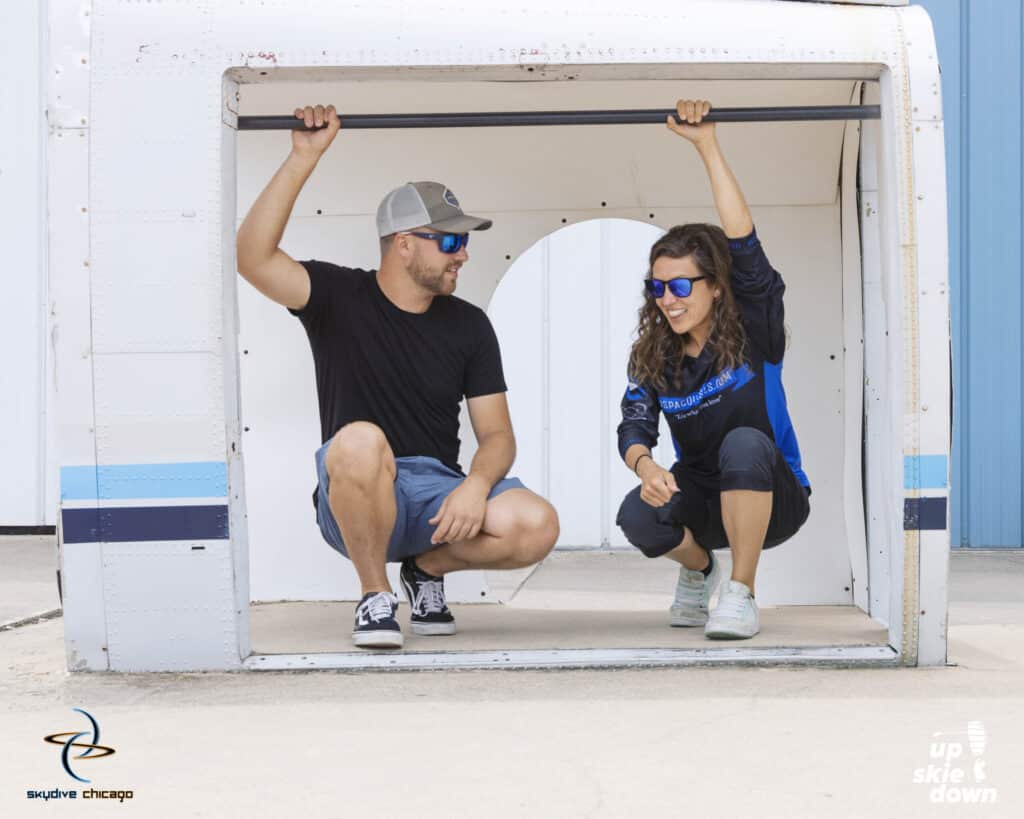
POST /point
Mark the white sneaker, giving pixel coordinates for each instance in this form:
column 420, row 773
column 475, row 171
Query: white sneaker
column 735, row 617
column 693, row 590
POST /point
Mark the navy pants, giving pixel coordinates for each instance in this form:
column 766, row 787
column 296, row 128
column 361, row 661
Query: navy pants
column 747, row 459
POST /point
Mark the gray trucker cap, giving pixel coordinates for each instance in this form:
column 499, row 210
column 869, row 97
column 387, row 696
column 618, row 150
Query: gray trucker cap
column 425, row 204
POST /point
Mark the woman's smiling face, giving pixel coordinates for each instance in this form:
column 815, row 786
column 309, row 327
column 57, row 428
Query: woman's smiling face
column 694, row 312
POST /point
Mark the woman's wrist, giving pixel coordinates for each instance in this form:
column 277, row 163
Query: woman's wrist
column 708, row 148
column 639, row 461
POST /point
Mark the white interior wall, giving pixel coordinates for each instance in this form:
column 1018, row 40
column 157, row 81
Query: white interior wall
column 622, row 171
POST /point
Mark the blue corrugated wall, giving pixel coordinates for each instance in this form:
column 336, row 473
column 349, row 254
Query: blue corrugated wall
column 980, row 51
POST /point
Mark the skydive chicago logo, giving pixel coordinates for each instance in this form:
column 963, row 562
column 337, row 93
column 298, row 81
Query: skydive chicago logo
column 92, row 750
column 956, row 774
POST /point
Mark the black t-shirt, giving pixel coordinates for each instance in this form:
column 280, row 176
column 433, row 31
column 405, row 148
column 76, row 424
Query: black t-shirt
column 405, row 372
column 711, row 402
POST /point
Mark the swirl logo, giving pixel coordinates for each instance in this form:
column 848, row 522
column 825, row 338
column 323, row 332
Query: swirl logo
column 69, row 739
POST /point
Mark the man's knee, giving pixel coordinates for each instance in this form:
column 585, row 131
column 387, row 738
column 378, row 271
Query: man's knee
column 537, row 530
column 359, row 450
column 745, row 459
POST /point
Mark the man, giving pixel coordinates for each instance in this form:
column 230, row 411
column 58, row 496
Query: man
column 395, row 352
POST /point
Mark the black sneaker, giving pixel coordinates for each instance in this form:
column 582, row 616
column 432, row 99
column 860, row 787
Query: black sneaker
column 376, row 623
column 430, row 614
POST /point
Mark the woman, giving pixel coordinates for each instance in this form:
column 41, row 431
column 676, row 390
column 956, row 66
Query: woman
column 709, row 350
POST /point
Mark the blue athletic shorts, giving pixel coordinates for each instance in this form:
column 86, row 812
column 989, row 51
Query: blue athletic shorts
column 420, row 488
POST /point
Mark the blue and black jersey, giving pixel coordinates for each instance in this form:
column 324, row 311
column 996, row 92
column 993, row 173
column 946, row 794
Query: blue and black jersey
column 712, row 402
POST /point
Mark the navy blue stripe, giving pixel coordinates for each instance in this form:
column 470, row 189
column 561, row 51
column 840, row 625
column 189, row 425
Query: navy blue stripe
column 924, row 513
column 135, row 523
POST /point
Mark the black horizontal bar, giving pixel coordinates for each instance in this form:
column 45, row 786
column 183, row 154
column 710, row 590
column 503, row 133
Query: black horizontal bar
column 621, row 117
column 28, row 530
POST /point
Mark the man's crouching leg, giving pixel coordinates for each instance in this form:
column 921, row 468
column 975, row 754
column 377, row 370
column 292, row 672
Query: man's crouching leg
column 519, row 529
column 361, row 469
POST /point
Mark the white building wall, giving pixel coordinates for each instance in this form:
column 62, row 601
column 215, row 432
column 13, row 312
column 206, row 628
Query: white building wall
column 25, row 495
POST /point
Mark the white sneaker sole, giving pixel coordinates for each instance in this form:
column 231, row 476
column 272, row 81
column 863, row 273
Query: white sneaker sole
column 432, row 629
column 378, row 639
column 686, row 621
column 727, row 632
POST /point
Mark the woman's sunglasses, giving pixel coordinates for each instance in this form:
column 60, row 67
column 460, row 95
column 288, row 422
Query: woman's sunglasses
column 446, row 242
column 681, row 287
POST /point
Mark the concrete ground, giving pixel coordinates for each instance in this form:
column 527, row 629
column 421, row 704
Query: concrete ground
column 707, row 742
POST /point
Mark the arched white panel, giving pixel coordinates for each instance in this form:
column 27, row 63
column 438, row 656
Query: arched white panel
column 565, row 313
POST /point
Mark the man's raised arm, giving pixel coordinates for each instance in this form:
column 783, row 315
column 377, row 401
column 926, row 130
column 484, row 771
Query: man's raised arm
column 263, row 264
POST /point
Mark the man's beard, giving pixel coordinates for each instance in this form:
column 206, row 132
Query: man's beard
column 430, row 280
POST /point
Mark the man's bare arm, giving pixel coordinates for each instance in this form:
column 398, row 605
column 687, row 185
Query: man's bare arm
column 260, row 261
column 496, row 444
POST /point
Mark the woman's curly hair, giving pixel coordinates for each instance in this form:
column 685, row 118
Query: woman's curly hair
column 658, row 350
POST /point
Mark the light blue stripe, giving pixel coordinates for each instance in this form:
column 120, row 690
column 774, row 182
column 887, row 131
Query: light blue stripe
column 136, row 481
column 925, row 472
column 78, row 483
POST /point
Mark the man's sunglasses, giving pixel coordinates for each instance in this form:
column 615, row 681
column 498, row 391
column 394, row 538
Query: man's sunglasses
column 681, row 287
column 446, row 242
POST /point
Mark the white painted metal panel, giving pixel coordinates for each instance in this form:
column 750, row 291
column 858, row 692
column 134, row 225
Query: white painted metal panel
column 175, row 301
column 168, row 605
column 933, row 327
column 566, row 658
column 159, row 408
column 853, row 365
column 70, row 330
column 84, row 606
column 874, row 366
column 933, row 288
column 238, row 524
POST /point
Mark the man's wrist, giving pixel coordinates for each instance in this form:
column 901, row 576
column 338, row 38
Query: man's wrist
column 478, row 480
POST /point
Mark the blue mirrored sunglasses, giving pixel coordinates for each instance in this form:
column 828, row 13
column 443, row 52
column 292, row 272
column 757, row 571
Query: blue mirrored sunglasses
column 446, row 242
column 681, row 287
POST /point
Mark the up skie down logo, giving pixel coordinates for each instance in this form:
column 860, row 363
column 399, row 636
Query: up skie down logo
column 69, row 739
